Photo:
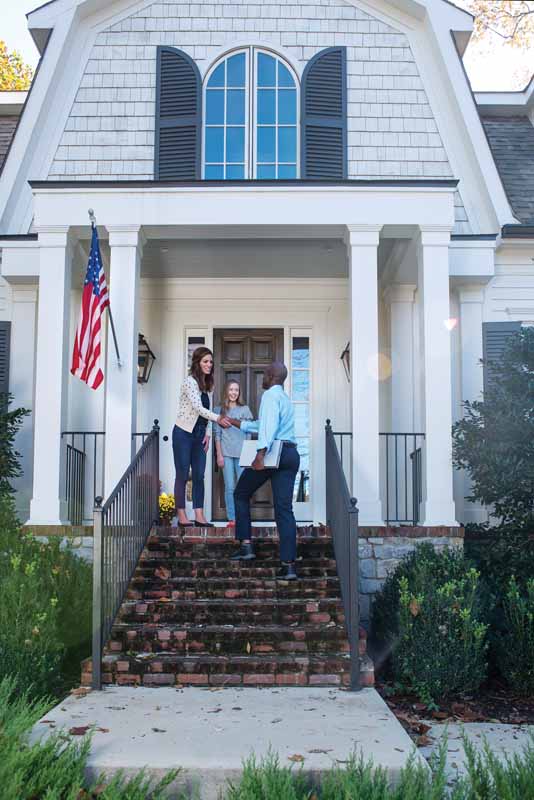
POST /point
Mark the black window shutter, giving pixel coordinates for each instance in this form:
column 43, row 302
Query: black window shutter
column 178, row 116
column 495, row 337
column 324, row 116
column 5, row 339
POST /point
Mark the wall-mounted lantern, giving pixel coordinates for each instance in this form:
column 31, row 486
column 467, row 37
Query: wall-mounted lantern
column 345, row 358
column 145, row 360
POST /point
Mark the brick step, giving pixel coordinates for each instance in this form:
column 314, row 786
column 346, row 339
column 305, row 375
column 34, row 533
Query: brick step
column 258, row 532
column 226, row 640
column 176, row 547
column 162, row 585
column 326, row 669
column 235, row 612
column 224, row 568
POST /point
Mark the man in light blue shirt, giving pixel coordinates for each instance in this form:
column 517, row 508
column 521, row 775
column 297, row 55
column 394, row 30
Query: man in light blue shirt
column 276, row 421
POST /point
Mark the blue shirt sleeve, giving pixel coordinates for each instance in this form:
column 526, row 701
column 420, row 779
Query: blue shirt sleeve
column 269, row 421
column 249, row 426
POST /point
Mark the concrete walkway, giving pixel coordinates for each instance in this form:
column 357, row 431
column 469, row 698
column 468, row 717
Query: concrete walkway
column 503, row 740
column 208, row 733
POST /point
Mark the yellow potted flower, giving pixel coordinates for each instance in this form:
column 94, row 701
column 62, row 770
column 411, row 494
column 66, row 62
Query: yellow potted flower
column 166, row 508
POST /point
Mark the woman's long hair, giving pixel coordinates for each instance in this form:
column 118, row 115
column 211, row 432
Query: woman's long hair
column 205, row 382
column 225, row 406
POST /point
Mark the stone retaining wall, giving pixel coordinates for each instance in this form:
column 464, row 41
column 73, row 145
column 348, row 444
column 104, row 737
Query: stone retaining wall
column 381, row 549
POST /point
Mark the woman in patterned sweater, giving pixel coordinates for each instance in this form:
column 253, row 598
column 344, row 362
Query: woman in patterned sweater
column 191, row 436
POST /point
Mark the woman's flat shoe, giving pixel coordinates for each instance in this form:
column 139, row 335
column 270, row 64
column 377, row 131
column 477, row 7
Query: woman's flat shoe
column 204, row 525
column 186, row 524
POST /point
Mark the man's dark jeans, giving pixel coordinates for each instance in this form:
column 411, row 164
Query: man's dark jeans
column 283, row 484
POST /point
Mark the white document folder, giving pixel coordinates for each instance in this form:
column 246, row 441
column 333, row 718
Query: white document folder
column 250, row 449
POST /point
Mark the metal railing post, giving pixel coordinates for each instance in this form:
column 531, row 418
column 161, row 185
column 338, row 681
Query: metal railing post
column 354, row 594
column 97, row 594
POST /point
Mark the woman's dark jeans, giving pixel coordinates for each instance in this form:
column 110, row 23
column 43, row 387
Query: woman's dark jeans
column 188, row 451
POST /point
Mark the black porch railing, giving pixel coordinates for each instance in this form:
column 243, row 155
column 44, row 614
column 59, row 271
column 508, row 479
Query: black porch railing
column 401, row 476
column 84, row 474
column 75, row 483
column 121, row 528
column 401, row 473
column 342, row 519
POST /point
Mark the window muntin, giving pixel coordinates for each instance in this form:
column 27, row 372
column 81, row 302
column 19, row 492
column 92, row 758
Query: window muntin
column 225, row 126
column 300, row 396
column 251, row 87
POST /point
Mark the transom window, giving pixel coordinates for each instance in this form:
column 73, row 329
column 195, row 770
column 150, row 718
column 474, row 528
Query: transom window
column 251, row 118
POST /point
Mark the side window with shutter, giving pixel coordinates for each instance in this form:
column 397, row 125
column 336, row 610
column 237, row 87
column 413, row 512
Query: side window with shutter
column 324, row 115
column 5, row 339
column 495, row 336
column 178, row 116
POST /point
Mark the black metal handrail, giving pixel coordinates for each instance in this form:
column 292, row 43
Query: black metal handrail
column 342, row 519
column 401, row 462
column 121, row 528
column 75, row 484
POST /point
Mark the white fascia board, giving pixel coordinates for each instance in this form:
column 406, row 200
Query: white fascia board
column 507, row 103
column 11, row 103
column 20, row 261
column 472, row 261
column 127, row 205
column 457, row 118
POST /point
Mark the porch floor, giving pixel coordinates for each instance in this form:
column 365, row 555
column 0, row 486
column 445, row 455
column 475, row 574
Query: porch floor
column 208, row 732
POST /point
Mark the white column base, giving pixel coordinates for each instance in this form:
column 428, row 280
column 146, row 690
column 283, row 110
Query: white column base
column 48, row 511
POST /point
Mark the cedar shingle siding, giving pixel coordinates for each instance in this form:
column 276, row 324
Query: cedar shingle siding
column 512, row 142
column 7, row 129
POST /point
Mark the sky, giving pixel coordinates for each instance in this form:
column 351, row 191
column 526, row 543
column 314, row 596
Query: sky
column 489, row 64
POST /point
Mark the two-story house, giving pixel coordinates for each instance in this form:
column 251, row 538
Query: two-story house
column 311, row 180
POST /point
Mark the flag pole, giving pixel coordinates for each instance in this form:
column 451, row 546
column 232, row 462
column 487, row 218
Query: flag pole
column 92, row 219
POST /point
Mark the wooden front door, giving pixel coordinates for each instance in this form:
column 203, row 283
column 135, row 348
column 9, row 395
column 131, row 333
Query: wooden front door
column 242, row 355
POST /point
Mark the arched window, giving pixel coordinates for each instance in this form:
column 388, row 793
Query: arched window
column 251, row 118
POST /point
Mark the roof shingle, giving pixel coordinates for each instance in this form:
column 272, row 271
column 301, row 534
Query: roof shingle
column 512, row 143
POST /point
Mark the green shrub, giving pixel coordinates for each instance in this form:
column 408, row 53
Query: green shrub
column 53, row 769
column 10, row 424
column 442, row 643
column 45, row 608
column 422, row 568
column 500, row 552
column 494, row 441
column 515, row 646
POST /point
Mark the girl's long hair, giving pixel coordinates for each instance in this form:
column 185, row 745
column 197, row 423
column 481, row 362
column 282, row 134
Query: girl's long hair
column 205, row 382
column 225, row 406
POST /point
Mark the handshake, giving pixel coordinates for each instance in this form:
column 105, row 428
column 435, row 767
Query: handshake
column 226, row 422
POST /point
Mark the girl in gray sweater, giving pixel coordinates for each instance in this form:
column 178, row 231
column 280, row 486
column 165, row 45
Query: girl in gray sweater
column 228, row 443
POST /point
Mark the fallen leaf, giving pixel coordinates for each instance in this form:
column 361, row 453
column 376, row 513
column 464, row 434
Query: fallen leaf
column 159, row 730
column 237, row 708
column 80, row 731
column 399, row 749
column 440, row 714
column 414, row 607
column 296, row 758
column 102, row 730
column 162, row 572
column 248, row 647
column 47, row 722
column 274, row 721
column 320, row 750
column 80, row 691
column 214, row 711
column 423, row 741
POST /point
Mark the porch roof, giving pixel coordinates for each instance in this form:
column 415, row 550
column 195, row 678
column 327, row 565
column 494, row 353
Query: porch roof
column 361, row 203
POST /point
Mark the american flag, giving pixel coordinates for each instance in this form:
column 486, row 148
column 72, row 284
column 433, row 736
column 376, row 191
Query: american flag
column 95, row 298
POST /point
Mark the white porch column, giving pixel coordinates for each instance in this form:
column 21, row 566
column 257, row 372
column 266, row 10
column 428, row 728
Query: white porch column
column 126, row 244
column 51, row 374
column 362, row 246
column 400, row 298
column 471, row 298
column 434, row 313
